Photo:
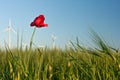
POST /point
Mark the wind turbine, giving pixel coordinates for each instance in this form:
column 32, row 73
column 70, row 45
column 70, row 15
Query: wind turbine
column 9, row 29
column 53, row 39
column 24, row 45
column 69, row 44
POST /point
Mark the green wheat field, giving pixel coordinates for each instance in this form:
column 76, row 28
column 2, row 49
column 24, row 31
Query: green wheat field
column 73, row 63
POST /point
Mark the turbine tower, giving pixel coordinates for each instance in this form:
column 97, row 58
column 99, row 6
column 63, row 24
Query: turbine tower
column 9, row 29
column 53, row 39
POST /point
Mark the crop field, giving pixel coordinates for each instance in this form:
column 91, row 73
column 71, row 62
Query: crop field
column 73, row 63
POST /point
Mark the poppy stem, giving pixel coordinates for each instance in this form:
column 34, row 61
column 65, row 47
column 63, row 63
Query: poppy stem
column 31, row 40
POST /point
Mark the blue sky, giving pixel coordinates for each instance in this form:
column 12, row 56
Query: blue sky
column 67, row 19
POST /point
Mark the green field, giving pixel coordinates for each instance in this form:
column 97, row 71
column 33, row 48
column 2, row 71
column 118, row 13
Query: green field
column 73, row 63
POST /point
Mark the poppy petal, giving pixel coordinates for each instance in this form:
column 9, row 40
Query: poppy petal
column 32, row 24
column 39, row 22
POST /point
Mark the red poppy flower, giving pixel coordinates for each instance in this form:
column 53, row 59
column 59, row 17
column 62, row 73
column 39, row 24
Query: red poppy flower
column 39, row 22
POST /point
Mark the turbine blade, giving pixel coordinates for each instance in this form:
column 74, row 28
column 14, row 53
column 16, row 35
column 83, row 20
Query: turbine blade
column 24, row 44
column 7, row 29
column 13, row 31
column 53, row 37
column 9, row 25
